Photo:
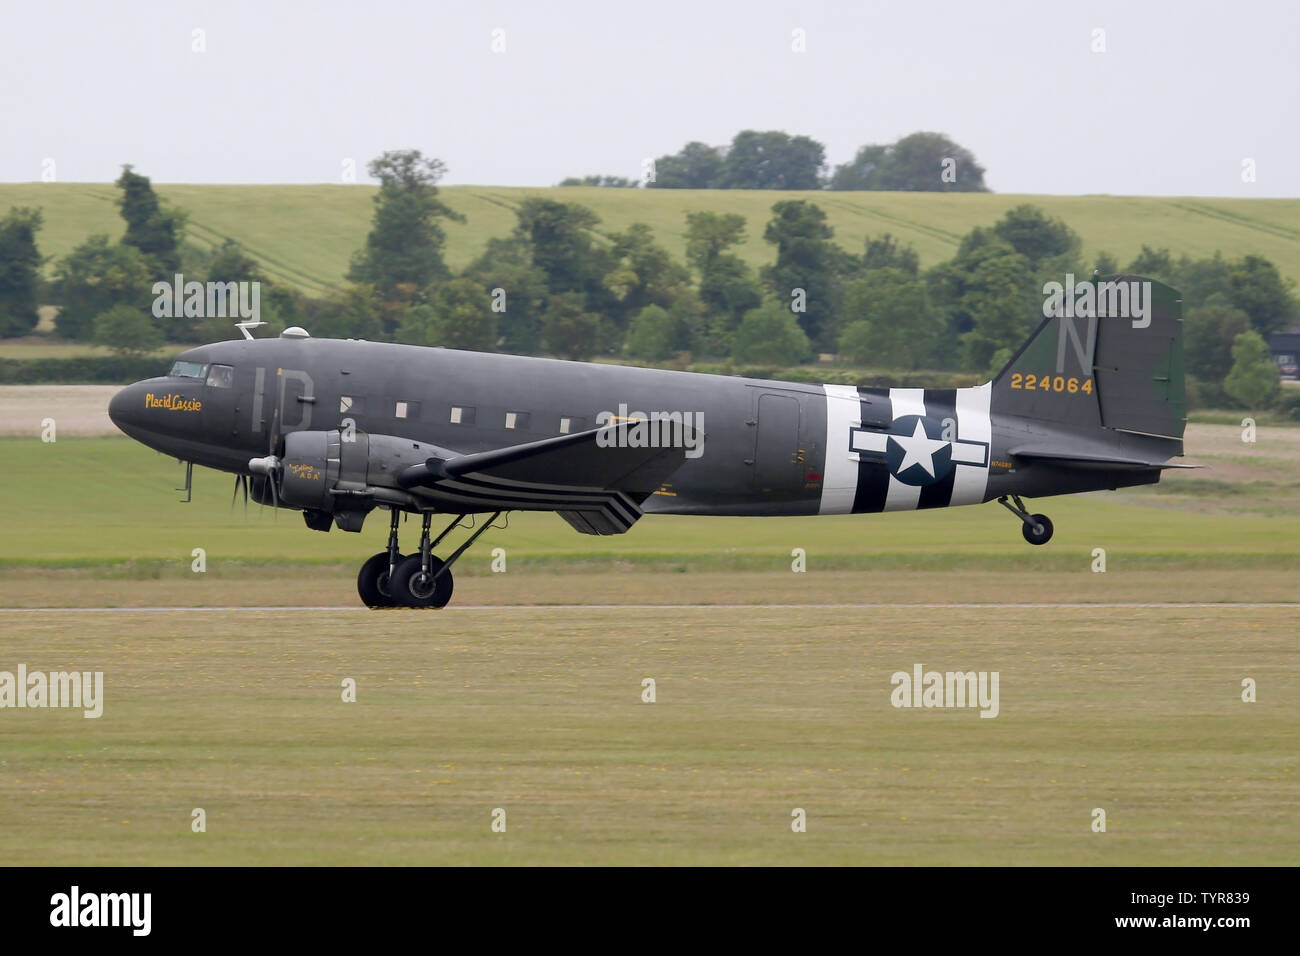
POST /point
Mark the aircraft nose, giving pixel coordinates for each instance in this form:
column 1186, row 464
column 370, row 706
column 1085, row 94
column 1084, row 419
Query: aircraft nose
column 126, row 406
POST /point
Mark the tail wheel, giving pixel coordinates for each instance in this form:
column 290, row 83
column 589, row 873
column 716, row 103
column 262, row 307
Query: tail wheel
column 373, row 584
column 412, row 587
column 1038, row 529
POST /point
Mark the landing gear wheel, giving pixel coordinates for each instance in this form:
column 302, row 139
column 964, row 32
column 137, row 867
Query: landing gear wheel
column 412, row 587
column 373, row 584
column 1038, row 529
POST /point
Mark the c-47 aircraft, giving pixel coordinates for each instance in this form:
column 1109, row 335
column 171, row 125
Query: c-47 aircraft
column 1093, row 400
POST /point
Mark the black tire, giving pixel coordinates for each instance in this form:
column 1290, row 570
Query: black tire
column 372, row 582
column 410, row 588
column 1038, row 529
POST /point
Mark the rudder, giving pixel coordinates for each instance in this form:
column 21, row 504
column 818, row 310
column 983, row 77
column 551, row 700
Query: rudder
column 1107, row 355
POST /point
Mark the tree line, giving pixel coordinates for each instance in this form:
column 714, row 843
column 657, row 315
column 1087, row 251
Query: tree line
column 560, row 284
column 772, row 159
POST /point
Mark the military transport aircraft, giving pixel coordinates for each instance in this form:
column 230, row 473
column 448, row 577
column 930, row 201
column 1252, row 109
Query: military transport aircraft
column 1093, row 400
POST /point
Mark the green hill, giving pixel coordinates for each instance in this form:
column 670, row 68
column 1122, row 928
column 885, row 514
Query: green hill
column 305, row 235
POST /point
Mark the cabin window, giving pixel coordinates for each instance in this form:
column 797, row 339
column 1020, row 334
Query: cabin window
column 349, row 403
column 517, row 419
column 189, row 370
column 462, row 415
column 221, row 376
column 407, row 410
column 570, row 424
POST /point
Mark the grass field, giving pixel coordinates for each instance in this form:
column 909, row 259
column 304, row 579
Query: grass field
column 305, row 235
column 773, row 688
column 539, row 713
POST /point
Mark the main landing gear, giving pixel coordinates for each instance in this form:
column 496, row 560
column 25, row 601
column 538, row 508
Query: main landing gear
column 391, row 579
column 1037, row 529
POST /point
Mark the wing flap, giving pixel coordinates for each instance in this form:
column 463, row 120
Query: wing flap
column 596, row 480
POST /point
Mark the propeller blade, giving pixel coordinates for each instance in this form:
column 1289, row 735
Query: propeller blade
column 272, row 468
column 240, row 480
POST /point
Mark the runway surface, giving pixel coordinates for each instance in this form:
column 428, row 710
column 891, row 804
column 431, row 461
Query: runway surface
column 672, row 607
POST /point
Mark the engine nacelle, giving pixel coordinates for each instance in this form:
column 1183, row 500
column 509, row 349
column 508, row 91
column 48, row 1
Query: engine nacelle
column 312, row 462
column 320, row 471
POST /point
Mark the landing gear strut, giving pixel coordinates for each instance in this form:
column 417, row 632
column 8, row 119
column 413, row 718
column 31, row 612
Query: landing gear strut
column 1037, row 529
column 375, row 577
column 390, row 579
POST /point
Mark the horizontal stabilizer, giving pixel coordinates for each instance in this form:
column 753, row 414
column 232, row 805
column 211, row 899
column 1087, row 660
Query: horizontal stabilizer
column 1077, row 460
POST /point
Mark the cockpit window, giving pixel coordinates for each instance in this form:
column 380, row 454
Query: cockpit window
column 221, row 376
column 189, row 370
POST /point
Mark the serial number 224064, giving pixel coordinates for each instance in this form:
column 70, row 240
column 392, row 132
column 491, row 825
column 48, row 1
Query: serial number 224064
column 1051, row 383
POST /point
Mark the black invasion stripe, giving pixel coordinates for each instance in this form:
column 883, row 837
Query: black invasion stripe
column 873, row 474
column 940, row 403
column 619, row 511
column 492, row 488
column 575, row 496
column 463, row 491
column 446, row 497
column 605, row 512
column 618, row 507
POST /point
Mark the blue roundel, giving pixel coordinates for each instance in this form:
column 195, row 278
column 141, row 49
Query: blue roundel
column 916, row 452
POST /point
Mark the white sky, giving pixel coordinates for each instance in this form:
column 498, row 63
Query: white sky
column 285, row 92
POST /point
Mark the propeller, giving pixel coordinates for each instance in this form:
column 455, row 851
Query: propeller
column 270, row 466
column 240, row 480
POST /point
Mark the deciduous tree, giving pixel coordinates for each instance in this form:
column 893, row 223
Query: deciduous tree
column 20, row 271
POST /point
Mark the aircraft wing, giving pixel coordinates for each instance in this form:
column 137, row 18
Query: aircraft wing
column 594, row 480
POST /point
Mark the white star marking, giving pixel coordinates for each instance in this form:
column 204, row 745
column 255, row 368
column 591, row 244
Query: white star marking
column 919, row 449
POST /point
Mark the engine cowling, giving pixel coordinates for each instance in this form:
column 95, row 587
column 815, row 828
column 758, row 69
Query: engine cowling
column 347, row 474
column 311, row 465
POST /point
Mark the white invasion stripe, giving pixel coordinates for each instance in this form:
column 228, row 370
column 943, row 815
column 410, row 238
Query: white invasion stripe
column 969, row 482
column 902, row 496
column 840, row 474
column 907, row 401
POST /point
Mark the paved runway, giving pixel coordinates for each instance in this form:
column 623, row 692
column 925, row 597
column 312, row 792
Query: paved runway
column 262, row 609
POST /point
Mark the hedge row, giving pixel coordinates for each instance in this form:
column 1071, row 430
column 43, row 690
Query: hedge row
column 85, row 370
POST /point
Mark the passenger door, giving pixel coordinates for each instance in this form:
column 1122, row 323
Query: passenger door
column 778, row 461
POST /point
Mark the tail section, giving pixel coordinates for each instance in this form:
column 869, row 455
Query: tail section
column 1108, row 356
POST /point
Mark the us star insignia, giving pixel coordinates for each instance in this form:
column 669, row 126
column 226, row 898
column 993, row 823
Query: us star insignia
column 915, row 451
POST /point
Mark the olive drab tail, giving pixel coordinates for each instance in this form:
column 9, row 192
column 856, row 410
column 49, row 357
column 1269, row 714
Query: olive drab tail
column 1107, row 358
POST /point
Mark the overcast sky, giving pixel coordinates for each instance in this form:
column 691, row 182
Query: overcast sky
column 1183, row 93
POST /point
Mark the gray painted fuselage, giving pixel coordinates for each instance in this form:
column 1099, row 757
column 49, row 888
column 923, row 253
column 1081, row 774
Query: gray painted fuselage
column 770, row 447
